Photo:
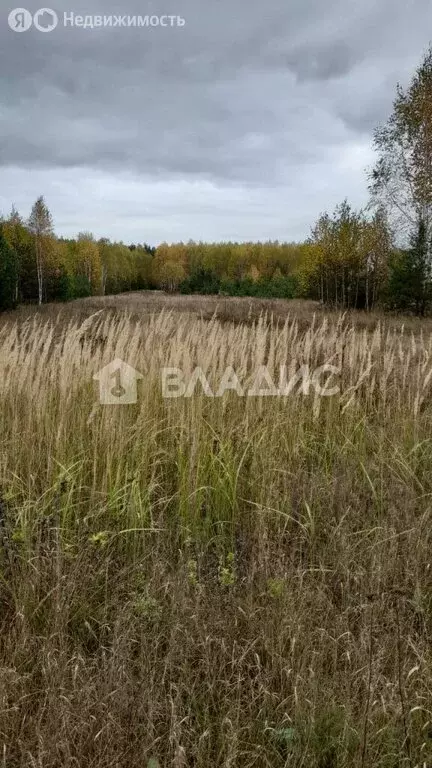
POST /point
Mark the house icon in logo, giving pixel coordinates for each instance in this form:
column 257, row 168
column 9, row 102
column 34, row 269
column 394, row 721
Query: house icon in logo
column 118, row 383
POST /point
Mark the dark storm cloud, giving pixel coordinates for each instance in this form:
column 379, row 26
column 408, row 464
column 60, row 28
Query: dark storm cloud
column 261, row 95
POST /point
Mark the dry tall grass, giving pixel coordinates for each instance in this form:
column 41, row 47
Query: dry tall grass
column 214, row 581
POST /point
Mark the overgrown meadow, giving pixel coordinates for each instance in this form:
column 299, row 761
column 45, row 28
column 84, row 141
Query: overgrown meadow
column 228, row 581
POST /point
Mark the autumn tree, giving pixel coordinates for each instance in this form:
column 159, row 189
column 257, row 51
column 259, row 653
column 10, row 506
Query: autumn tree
column 169, row 266
column 402, row 177
column 87, row 266
column 346, row 260
column 41, row 226
column 377, row 246
column 19, row 239
column 170, row 275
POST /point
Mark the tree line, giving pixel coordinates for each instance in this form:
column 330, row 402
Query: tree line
column 380, row 256
column 36, row 266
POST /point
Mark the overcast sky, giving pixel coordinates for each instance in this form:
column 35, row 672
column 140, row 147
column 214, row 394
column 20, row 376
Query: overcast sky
column 244, row 124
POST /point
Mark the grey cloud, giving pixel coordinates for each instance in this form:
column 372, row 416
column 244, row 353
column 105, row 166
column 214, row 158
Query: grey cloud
column 325, row 64
column 251, row 95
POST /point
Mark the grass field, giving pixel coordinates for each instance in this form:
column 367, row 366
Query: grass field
column 229, row 581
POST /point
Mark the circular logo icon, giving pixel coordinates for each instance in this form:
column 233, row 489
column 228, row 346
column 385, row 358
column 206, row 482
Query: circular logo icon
column 20, row 20
column 45, row 20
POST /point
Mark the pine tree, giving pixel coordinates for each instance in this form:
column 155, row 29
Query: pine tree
column 8, row 274
column 410, row 277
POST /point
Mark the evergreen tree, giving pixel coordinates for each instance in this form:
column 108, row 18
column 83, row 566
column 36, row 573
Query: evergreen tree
column 8, row 274
column 410, row 275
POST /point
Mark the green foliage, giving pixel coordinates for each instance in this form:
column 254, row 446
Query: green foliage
column 81, row 287
column 57, row 269
column 8, row 274
column 59, row 285
column 202, row 281
column 227, row 574
column 277, row 287
column 276, row 588
column 409, row 287
column 205, row 281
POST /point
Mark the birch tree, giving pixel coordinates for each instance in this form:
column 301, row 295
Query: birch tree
column 41, row 226
column 402, row 177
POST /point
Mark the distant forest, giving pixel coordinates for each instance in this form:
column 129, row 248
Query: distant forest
column 380, row 256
